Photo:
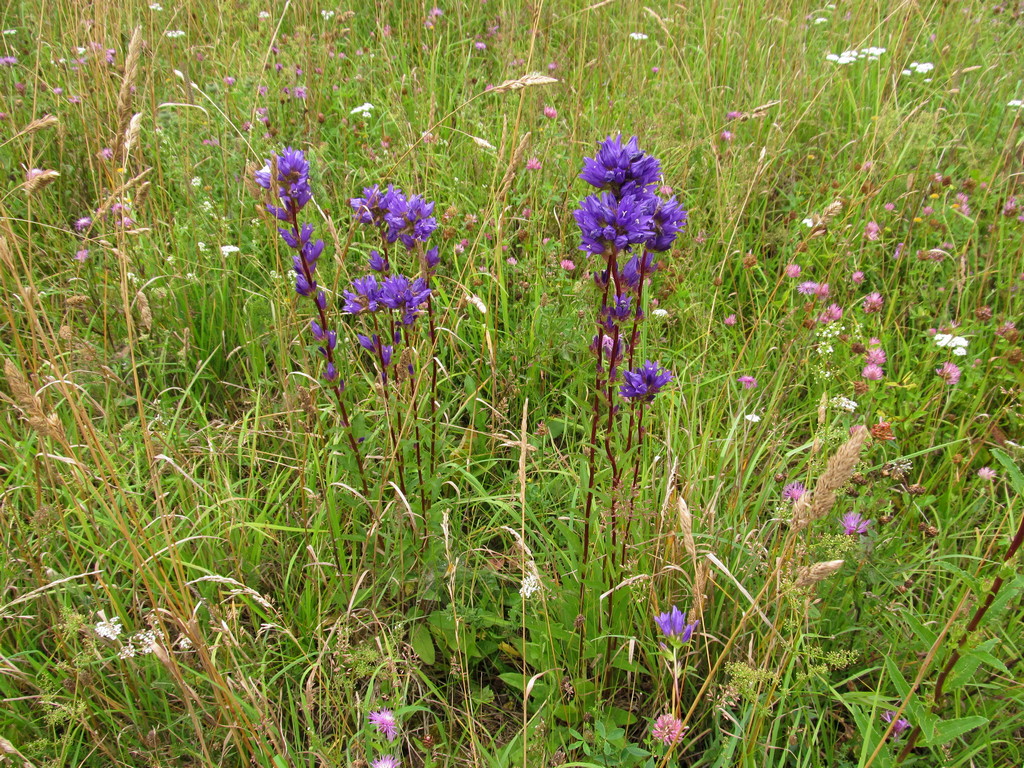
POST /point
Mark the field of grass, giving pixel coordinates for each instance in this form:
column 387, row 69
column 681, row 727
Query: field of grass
column 459, row 534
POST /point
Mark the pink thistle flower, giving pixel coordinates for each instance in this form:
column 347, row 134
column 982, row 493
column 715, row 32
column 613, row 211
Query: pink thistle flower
column 384, row 721
column 873, row 302
column 730, row 320
column 875, row 357
column 987, row 473
column 899, row 727
column 726, row 136
column 822, row 291
column 82, row 255
column 793, row 491
column 792, row 270
column 385, row 761
column 533, row 164
column 748, row 382
column 949, row 372
column 106, row 153
column 668, row 729
column 807, row 288
column 83, row 223
column 229, row 81
column 853, row 523
column 872, row 372
column 480, row 46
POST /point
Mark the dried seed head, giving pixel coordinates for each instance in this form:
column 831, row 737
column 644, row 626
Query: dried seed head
column 526, row 81
column 812, row 574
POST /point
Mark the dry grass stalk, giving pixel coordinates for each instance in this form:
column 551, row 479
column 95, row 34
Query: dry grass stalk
column 46, row 121
column 30, row 404
column 686, row 526
column 510, row 172
column 132, row 133
column 38, row 179
column 145, row 315
column 837, row 473
column 528, row 80
column 124, row 96
column 5, row 255
column 115, row 196
column 812, row 574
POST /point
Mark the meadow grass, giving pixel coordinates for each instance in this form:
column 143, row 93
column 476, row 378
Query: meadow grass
column 207, row 564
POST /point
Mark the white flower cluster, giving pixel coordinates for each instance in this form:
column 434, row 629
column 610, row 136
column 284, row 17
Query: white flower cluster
column 753, row 418
column 958, row 343
column 825, row 348
column 1018, row 103
column 227, row 250
column 843, row 404
column 849, row 57
column 363, row 110
column 919, row 68
column 328, row 15
column 531, row 583
column 109, row 630
column 155, row 7
column 173, row 33
column 264, row 15
column 140, row 644
column 637, row 36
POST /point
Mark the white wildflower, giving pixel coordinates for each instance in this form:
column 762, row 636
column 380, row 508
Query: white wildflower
column 127, row 651
column 10, row 31
column 196, row 181
column 1015, row 103
column 229, row 249
column 363, row 110
column 821, row 20
column 752, row 417
column 531, row 583
column 949, row 340
column 173, row 33
column 328, row 15
column 201, row 245
column 155, row 7
column 659, row 312
column 638, row 35
column 264, row 15
column 808, row 222
column 843, row 404
column 109, row 630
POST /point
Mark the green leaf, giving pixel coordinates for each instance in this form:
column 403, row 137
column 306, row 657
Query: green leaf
column 422, row 643
column 947, row 730
column 1013, row 472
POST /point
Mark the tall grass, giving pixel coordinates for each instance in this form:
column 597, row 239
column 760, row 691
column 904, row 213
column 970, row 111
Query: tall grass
column 196, row 572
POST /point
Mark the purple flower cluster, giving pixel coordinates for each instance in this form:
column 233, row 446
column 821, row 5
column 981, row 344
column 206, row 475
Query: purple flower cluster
column 625, row 223
column 398, row 219
column 674, row 627
column 287, row 176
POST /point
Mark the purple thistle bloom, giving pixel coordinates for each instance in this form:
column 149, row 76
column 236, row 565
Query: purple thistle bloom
column 807, row 288
column 609, row 223
column 901, row 725
column 620, row 168
column 793, row 491
column 673, row 625
column 385, row 761
column 645, row 382
column 832, row 313
column 384, row 721
column 854, row 523
column 748, row 382
column 83, row 223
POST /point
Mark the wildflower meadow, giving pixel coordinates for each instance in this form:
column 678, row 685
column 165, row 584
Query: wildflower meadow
column 509, row 383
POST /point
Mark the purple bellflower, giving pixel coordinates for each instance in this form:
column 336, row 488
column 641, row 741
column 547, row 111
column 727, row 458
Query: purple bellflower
column 643, row 383
column 674, row 627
